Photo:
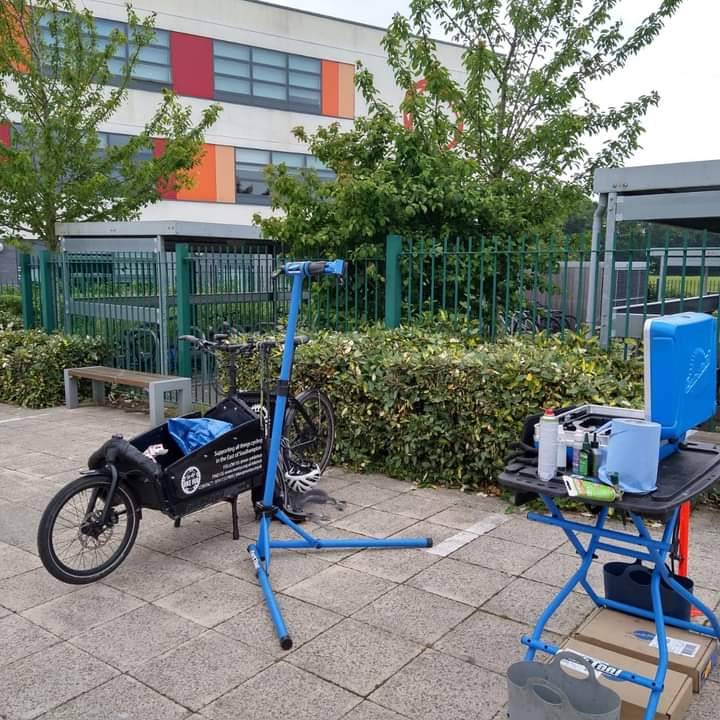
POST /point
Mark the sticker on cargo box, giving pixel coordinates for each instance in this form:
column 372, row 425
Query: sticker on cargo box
column 190, row 480
column 679, row 647
column 600, row 666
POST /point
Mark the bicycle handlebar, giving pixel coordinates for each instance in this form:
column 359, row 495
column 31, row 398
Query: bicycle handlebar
column 313, row 268
column 240, row 348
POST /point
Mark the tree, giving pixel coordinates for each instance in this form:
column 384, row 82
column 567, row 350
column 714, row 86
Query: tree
column 59, row 82
column 519, row 165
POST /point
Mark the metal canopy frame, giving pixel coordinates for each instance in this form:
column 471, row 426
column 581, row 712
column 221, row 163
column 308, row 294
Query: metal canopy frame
column 682, row 194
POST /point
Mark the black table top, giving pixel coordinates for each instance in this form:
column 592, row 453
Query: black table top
column 690, row 471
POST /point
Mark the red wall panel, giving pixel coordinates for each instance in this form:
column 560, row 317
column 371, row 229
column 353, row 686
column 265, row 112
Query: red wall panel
column 329, row 79
column 5, row 134
column 165, row 192
column 191, row 58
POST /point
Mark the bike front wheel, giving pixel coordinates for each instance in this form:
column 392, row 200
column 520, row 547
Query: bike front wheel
column 310, row 428
column 75, row 546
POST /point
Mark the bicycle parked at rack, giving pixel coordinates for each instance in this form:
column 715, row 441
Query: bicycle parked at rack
column 90, row 526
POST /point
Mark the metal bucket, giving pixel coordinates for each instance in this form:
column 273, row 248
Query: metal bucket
column 546, row 692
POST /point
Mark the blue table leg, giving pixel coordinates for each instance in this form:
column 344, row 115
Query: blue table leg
column 649, row 550
column 580, row 576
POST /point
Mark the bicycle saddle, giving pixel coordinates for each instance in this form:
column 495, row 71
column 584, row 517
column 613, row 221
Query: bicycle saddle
column 125, row 457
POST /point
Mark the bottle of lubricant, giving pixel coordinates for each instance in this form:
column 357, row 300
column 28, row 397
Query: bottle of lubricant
column 585, row 457
column 548, row 439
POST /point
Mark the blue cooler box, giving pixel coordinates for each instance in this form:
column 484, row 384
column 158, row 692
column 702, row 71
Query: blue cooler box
column 680, row 370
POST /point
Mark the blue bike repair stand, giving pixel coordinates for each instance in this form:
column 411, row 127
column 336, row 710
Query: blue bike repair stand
column 261, row 550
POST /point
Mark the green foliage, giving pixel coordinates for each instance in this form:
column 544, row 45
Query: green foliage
column 32, row 364
column 519, row 167
column 10, row 309
column 58, row 90
column 443, row 407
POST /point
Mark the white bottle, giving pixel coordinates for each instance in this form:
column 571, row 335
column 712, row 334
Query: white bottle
column 561, row 450
column 548, row 453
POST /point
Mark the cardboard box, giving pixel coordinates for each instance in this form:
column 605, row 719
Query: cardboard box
column 689, row 653
column 674, row 701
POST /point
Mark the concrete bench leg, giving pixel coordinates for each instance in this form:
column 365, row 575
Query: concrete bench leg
column 71, row 391
column 156, row 392
column 185, row 397
column 98, row 392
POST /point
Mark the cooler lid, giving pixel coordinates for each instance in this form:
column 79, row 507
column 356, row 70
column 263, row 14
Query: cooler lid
column 680, row 371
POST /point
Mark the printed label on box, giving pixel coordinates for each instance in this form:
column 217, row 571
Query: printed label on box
column 600, row 666
column 678, row 647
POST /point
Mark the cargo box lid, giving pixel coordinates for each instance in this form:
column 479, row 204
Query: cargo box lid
column 680, row 371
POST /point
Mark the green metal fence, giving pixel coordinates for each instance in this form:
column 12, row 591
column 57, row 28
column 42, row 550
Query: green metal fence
column 140, row 302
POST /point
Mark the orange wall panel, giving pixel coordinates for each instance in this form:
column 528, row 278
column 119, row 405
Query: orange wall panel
column 329, row 76
column 225, row 173
column 204, row 175
column 346, row 90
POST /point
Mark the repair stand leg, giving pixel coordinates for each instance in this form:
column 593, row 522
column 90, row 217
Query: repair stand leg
column 261, row 550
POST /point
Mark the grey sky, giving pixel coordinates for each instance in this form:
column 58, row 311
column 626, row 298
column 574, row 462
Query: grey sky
column 683, row 65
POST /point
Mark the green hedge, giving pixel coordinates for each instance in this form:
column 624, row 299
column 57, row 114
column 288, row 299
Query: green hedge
column 32, row 364
column 441, row 408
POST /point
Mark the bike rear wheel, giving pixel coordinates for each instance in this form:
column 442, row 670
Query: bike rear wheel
column 74, row 545
column 310, row 427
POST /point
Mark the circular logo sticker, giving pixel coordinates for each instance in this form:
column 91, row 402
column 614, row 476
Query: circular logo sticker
column 190, row 480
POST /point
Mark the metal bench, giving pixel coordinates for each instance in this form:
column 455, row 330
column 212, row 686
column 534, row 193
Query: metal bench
column 156, row 385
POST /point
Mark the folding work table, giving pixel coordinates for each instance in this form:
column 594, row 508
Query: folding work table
column 690, row 471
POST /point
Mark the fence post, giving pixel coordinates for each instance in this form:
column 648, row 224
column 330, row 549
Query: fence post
column 26, row 293
column 47, row 291
column 182, row 287
column 393, row 283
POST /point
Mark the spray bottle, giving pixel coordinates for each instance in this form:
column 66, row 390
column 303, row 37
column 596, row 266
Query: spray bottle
column 548, row 452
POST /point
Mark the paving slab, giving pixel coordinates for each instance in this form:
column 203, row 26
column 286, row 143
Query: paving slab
column 20, row 637
column 382, row 481
column 557, row 568
column 365, row 494
column 220, row 552
column 202, row 669
column 122, row 698
column 166, row 538
column 410, row 504
column 705, row 705
column 523, row 600
column 15, row 560
column 283, row 691
column 414, row 614
column 425, row 528
column 255, row 628
column 83, row 610
column 18, row 526
column 526, row 532
column 498, row 554
column 29, row 589
column 488, row 641
column 435, row 686
column 466, row 583
column 287, row 568
column 150, row 575
column 461, row 517
column 212, row 600
column 65, row 671
column 137, row 637
column 374, row 523
column 370, row 711
column 340, row 589
column 395, row 565
column 355, row 656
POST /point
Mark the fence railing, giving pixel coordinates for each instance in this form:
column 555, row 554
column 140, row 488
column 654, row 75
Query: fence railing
column 141, row 302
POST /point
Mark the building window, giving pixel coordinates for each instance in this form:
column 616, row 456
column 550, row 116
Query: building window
column 250, row 185
column 153, row 61
column 257, row 76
